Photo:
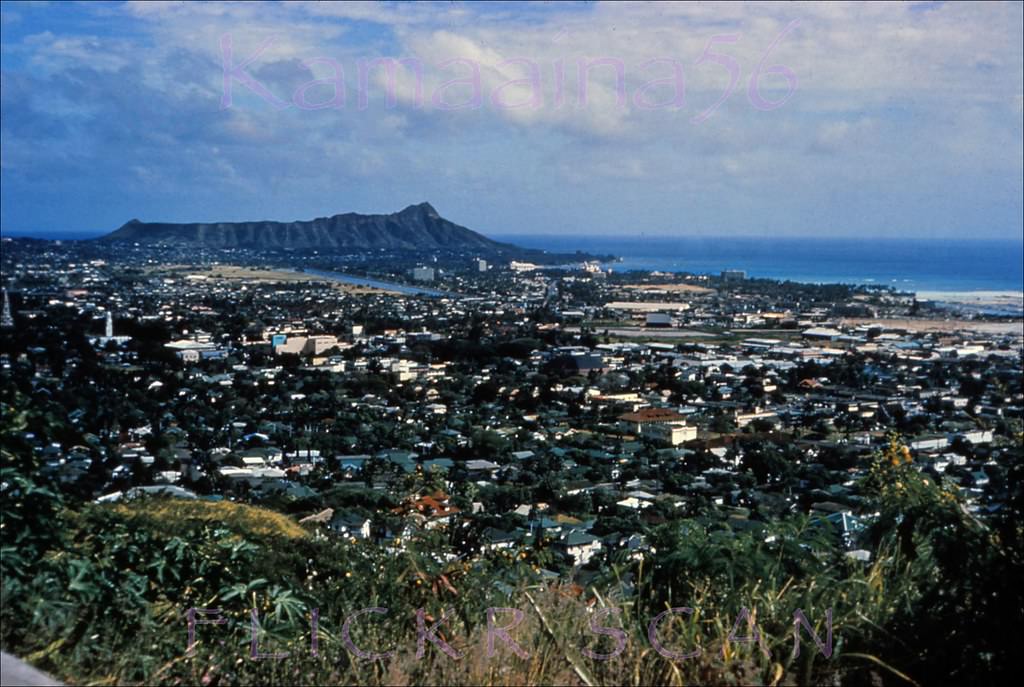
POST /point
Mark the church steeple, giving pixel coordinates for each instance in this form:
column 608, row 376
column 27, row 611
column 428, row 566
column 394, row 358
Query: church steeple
column 7, row 319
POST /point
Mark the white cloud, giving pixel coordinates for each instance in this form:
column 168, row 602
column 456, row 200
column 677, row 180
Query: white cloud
column 884, row 89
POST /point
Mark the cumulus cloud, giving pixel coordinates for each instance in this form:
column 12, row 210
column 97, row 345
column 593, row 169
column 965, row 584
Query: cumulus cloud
column 681, row 106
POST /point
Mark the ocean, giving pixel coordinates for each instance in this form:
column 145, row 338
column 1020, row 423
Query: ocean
column 906, row 264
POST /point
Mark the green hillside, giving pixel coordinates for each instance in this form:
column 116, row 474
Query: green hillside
column 100, row 594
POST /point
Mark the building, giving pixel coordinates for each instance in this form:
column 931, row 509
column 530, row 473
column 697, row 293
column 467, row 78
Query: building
column 636, row 422
column 583, row 363
column 744, row 419
column 670, row 433
column 579, row 546
column 930, row 443
column 821, row 333
column 190, row 350
column 306, row 345
column 433, row 509
column 978, row 436
column 423, row 274
column 734, row 275
column 350, row 526
column 108, row 334
column 659, row 319
column 481, row 265
column 482, row 469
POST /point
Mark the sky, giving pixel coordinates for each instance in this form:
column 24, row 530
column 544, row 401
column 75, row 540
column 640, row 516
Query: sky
column 898, row 120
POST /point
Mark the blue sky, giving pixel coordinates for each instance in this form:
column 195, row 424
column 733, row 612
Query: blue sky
column 905, row 119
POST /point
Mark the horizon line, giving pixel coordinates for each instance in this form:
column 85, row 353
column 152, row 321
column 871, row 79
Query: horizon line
column 85, row 234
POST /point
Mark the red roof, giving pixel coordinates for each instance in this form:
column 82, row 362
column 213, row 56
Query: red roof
column 432, row 506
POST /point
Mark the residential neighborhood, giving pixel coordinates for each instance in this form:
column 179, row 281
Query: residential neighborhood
column 523, row 408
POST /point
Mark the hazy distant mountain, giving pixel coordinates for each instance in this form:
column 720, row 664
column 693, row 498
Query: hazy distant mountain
column 417, row 227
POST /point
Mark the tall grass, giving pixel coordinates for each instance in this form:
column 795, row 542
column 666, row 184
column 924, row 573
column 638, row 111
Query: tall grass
column 100, row 594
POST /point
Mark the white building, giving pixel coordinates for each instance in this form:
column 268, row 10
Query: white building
column 423, row 274
column 671, row 433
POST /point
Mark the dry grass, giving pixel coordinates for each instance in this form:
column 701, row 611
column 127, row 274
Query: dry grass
column 245, row 520
column 943, row 326
column 234, row 272
column 554, row 632
column 670, row 288
column 248, row 274
column 256, row 275
column 646, row 306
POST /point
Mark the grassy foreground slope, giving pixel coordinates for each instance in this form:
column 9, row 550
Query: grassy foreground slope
column 100, row 594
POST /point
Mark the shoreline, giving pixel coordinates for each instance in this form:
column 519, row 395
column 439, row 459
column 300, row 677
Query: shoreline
column 973, row 297
column 1002, row 303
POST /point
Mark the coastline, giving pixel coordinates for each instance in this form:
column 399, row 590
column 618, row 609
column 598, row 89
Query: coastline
column 908, row 265
column 978, row 297
column 1006, row 303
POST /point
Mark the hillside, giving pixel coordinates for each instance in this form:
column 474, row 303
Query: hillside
column 100, row 594
column 417, row 227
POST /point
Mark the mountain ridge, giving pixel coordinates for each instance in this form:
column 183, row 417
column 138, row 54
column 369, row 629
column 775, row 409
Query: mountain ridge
column 416, row 227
